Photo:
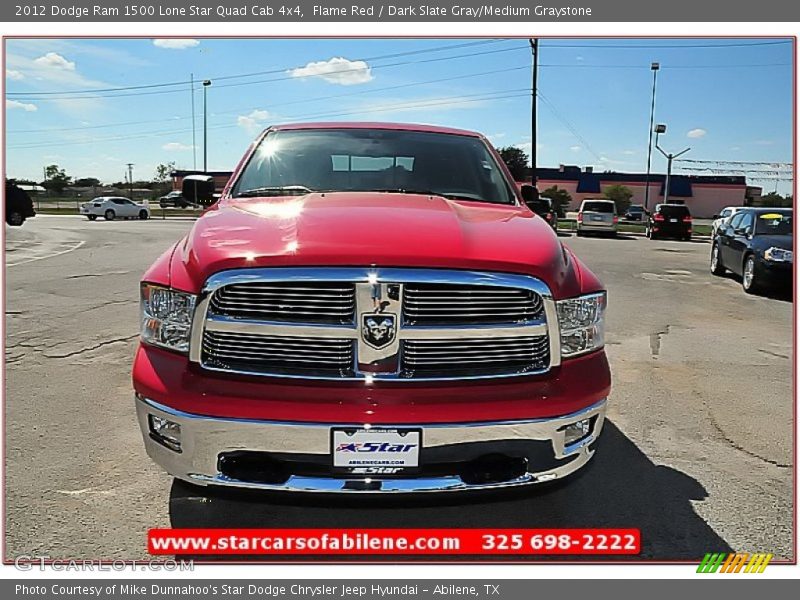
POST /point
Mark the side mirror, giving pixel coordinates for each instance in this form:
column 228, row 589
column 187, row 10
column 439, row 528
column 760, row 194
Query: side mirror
column 715, row 216
column 198, row 189
column 529, row 194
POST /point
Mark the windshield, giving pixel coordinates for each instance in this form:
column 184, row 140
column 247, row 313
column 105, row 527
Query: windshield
column 774, row 223
column 332, row 160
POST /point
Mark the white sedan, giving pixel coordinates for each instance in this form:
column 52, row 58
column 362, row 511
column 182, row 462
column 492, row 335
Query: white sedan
column 111, row 207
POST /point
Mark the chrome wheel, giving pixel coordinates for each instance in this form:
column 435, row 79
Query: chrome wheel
column 749, row 274
column 716, row 265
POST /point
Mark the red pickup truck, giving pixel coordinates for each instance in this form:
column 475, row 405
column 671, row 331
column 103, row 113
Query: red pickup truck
column 370, row 307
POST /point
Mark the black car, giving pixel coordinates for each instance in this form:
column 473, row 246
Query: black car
column 544, row 208
column 175, row 199
column 670, row 220
column 756, row 244
column 635, row 212
column 19, row 205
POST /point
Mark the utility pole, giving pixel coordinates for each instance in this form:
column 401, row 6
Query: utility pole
column 534, row 86
column 206, row 84
column 653, row 67
column 670, row 157
column 130, row 179
column 194, row 124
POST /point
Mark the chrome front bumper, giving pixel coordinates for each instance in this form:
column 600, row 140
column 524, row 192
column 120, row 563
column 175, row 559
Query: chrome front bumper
column 204, row 438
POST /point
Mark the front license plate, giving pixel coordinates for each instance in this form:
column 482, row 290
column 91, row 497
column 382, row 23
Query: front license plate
column 375, row 450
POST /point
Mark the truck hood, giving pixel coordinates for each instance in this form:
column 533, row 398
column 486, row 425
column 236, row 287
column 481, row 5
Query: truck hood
column 369, row 228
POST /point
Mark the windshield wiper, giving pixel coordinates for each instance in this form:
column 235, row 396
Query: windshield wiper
column 275, row 190
column 448, row 195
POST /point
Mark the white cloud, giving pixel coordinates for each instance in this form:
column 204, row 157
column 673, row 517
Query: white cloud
column 575, row 148
column 764, row 142
column 735, row 148
column 254, row 120
column 697, row 133
column 11, row 104
column 15, row 75
column 176, row 147
column 175, row 43
column 336, row 70
column 53, row 60
column 629, row 152
column 579, row 58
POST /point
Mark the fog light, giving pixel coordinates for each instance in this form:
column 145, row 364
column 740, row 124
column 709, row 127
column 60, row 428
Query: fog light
column 575, row 432
column 165, row 432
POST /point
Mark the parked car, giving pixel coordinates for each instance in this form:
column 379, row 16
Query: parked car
column 544, row 208
column 669, row 221
column 175, row 199
column 725, row 213
column 111, row 207
column 635, row 212
column 597, row 216
column 324, row 341
column 19, row 205
column 756, row 243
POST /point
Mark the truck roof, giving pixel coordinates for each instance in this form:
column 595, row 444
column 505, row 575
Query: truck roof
column 375, row 125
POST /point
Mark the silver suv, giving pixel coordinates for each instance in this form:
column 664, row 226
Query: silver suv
column 597, row 216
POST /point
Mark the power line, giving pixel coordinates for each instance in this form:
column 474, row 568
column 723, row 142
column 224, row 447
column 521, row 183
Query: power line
column 670, row 46
column 27, row 96
column 774, row 164
column 254, row 73
column 568, row 125
column 303, row 100
column 497, row 95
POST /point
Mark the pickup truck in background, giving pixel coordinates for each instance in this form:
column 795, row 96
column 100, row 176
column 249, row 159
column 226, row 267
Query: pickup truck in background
column 370, row 308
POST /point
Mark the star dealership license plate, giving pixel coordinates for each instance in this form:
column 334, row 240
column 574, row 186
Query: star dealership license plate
column 375, row 450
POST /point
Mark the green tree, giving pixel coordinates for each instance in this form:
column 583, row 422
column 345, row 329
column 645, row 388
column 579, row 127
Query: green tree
column 56, row 179
column 621, row 195
column 86, row 182
column 559, row 198
column 775, row 199
column 517, row 162
column 163, row 176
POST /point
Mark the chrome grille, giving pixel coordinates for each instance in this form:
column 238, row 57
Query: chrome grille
column 278, row 354
column 477, row 356
column 365, row 323
column 445, row 304
column 308, row 302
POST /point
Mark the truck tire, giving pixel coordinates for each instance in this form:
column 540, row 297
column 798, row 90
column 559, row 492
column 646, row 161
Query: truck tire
column 109, row 215
column 15, row 219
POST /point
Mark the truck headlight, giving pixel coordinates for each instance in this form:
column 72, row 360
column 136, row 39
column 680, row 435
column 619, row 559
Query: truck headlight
column 778, row 254
column 166, row 317
column 582, row 322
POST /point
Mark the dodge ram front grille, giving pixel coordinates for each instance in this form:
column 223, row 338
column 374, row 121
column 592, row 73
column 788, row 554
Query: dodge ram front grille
column 426, row 358
column 280, row 355
column 369, row 323
column 447, row 304
column 310, row 302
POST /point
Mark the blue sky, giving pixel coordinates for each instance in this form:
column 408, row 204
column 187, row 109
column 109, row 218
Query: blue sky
column 729, row 99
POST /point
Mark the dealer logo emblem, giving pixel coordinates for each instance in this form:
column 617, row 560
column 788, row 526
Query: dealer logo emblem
column 378, row 329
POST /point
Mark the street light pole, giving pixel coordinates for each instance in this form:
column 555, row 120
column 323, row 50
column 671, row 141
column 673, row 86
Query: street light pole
column 670, row 157
column 206, row 84
column 130, row 179
column 534, row 84
column 653, row 67
column 194, row 124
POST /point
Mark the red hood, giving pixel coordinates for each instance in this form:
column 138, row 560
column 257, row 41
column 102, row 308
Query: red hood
column 367, row 228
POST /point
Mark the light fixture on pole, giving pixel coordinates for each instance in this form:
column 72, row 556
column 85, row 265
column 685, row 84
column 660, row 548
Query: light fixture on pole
column 653, row 67
column 670, row 157
column 206, row 84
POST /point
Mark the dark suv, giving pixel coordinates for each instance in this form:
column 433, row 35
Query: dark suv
column 670, row 220
column 19, row 205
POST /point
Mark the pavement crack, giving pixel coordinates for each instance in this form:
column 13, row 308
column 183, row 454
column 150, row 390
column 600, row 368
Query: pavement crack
column 778, row 354
column 83, row 275
column 95, row 347
column 741, row 448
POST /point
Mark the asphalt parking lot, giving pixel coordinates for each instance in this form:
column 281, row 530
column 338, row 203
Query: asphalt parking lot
column 697, row 451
